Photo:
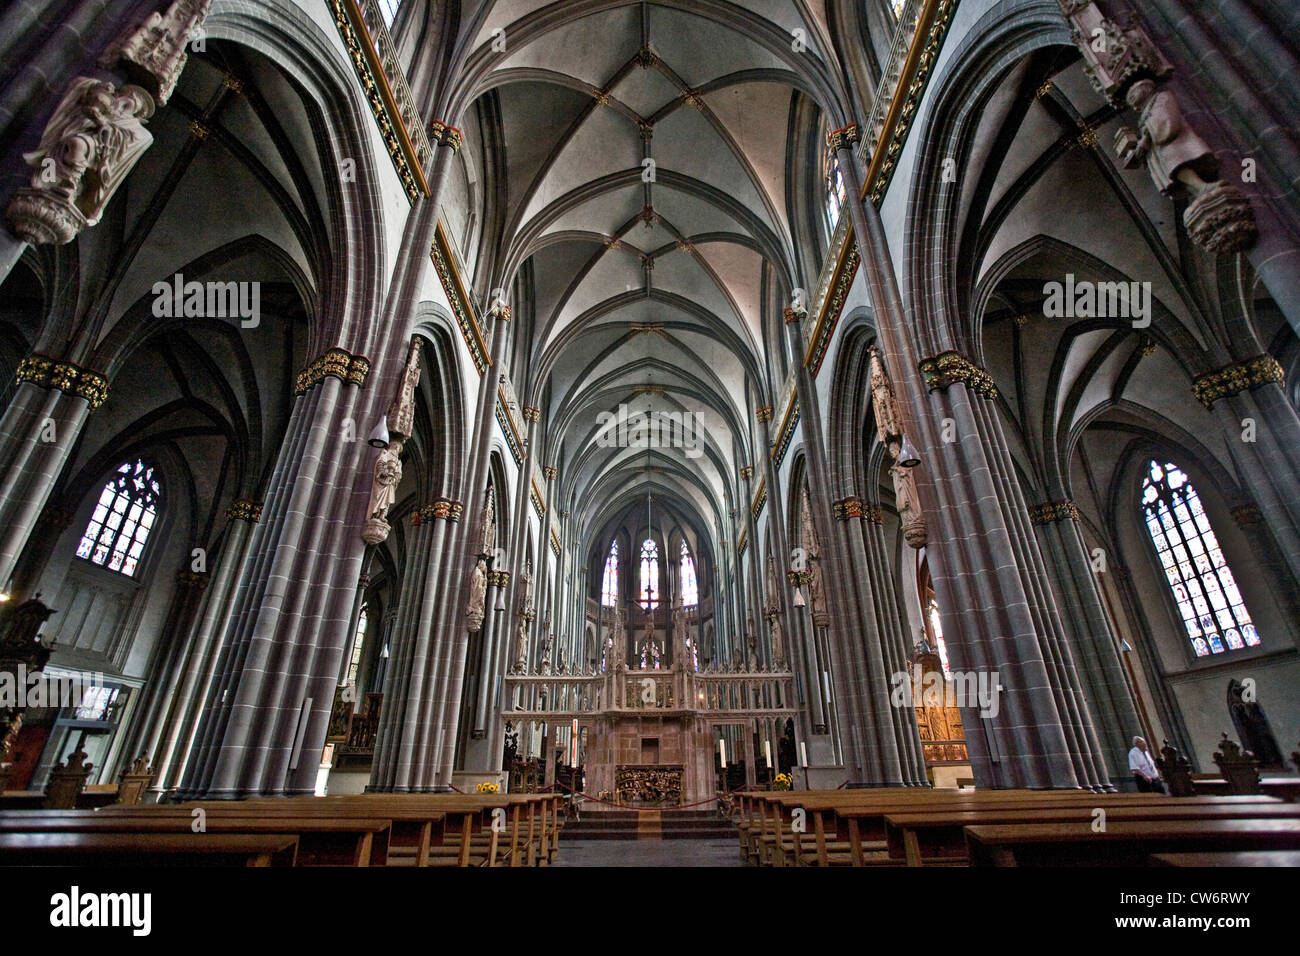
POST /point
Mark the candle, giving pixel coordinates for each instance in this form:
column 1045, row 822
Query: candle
column 767, row 749
column 803, row 754
column 722, row 752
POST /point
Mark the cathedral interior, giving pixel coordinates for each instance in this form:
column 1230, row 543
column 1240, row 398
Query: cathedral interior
column 647, row 400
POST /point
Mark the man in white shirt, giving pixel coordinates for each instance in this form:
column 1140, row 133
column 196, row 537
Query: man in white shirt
column 1144, row 769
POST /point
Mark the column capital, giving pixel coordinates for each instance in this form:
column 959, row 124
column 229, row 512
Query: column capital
column 747, row 472
column 1236, row 377
column 763, row 414
column 336, row 362
column 842, row 138
column 447, row 509
column 1053, row 511
column 550, row 472
column 245, row 510
column 942, row 370
column 532, row 414
column 444, row 134
column 46, row 372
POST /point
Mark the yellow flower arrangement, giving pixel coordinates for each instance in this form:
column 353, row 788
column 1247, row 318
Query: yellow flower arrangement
column 486, row 787
column 782, row 781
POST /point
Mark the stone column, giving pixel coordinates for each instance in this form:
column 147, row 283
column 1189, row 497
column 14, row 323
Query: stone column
column 51, row 402
column 407, row 677
column 171, row 746
column 1096, row 649
column 987, row 569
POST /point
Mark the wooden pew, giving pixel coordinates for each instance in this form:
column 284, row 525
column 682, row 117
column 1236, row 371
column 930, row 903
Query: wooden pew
column 154, row 849
column 1123, row 843
column 847, row 827
column 323, row 840
column 937, row 836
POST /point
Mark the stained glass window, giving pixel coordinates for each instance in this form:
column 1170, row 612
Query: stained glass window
column 690, row 588
column 1211, row 606
column 609, row 585
column 389, row 10
column 649, row 574
column 357, row 643
column 122, row 519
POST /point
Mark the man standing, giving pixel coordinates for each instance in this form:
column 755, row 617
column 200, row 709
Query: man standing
column 1144, row 769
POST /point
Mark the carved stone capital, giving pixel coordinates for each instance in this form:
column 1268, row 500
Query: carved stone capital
column 1235, row 378
column 942, row 370
column 45, row 372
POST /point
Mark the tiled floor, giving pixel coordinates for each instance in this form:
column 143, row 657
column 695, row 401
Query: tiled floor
column 648, row 853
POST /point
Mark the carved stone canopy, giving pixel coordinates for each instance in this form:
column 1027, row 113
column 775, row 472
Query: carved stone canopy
column 153, row 52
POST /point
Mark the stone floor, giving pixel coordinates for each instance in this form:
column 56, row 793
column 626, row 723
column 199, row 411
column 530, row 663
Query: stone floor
column 648, row 853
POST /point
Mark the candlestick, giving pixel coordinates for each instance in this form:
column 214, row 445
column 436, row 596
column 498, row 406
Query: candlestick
column 722, row 752
column 767, row 749
column 803, row 753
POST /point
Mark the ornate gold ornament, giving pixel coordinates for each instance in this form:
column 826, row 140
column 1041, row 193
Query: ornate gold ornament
column 1053, row 511
column 1235, row 378
column 946, row 368
column 336, row 362
column 45, row 372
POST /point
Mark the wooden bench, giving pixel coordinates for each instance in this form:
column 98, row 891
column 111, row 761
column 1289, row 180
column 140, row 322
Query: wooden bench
column 1123, row 843
column 155, row 849
column 323, row 840
column 938, row 837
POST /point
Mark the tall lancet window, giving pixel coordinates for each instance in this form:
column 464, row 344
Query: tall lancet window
column 388, row 9
column 609, row 584
column 649, row 574
column 836, row 192
column 124, row 515
column 1211, row 606
column 690, row 588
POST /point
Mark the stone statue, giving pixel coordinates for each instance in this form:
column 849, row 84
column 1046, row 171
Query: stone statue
column 908, row 503
column 521, row 648
column 547, row 643
column 154, row 51
column 89, row 146
column 477, row 595
column 889, row 421
column 1174, row 153
column 816, row 582
column 618, row 645
column 388, row 466
column 752, row 642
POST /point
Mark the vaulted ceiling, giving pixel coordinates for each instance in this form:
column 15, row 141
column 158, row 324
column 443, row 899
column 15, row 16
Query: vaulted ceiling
column 647, row 221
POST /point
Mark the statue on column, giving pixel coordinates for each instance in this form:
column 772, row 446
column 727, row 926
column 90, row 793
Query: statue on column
column 812, row 547
column 1126, row 67
column 478, row 577
column 889, row 423
column 1219, row 217
column 388, row 466
column 90, row 144
column 525, row 618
